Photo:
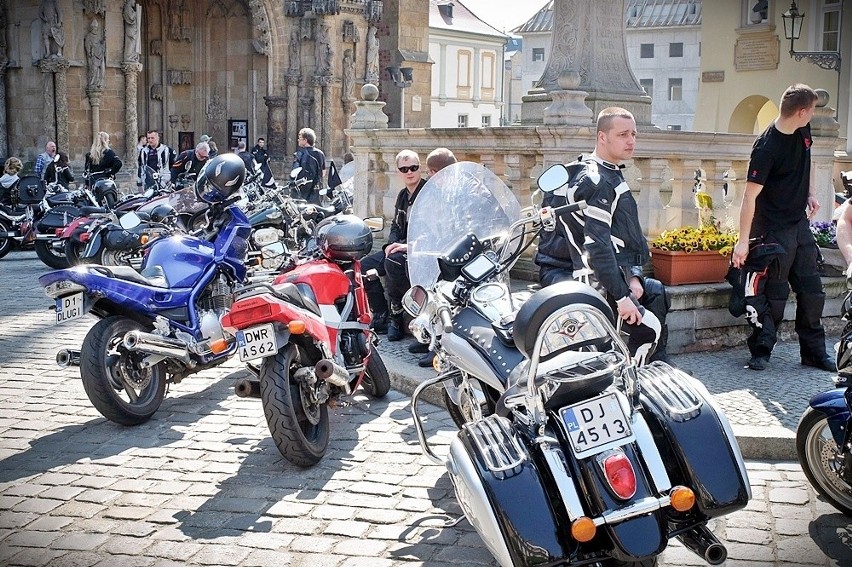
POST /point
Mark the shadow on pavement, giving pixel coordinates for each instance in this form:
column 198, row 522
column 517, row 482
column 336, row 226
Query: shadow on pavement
column 833, row 534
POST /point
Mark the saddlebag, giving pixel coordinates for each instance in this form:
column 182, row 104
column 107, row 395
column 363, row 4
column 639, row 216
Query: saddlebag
column 699, row 448
column 57, row 217
column 509, row 508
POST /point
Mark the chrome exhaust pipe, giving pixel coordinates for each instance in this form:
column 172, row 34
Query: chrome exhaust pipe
column 67, row 357
column 150, row 343
column 332, row 373
column 247, row 388
column 701, row 541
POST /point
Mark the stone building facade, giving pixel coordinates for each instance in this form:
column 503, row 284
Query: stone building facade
column 226, row 68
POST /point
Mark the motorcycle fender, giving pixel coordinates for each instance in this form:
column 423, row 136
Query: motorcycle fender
column 833, row 405
column 464, row 357
column 279, row 312
column 511, row 511
column 696, row 441
column 93, row 246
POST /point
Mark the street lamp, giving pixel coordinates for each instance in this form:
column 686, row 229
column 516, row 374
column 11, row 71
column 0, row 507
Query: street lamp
column 402, row 77
column 793, row 20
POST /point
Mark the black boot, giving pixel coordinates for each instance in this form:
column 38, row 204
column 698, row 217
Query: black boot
column 395, row 329
column 380, row 323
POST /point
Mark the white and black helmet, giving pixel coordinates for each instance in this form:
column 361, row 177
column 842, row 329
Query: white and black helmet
column 221, row 177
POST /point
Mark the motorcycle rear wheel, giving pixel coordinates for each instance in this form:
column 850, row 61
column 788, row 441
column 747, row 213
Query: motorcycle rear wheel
column 113, row 378
column 52, row 258
column 821, row 458
column 108, row 257
column 5, row 243
column 302, row 439
column 376, row 381
column 73, row 250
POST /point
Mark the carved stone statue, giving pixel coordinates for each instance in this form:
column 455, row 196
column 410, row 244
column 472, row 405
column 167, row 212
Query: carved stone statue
column 131, row 30
column 95, row 53
column 324, row 52
column 52, row 32
column 348, row 76
column 94, row 7
column 372, row 74
column 175, row 31
column 294, row 52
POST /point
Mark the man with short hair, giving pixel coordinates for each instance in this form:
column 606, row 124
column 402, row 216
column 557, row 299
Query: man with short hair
column 159, row 157
column 247, row 158
column 260, row 155
column 438, row 159
column 603, row 245
column 778, row 203
column 191, row 161
column 312, row 162
column 45, row 158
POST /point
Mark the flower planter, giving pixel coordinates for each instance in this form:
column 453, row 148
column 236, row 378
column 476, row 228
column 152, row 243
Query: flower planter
column 677, row 268
column 834, row 265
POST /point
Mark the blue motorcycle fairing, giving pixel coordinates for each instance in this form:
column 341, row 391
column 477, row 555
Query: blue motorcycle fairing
column 833, row 405
column 183, row 258
column 231, row 245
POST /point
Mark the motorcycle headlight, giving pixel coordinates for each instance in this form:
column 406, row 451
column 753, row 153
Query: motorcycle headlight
column 420, row 328
column 264, row 236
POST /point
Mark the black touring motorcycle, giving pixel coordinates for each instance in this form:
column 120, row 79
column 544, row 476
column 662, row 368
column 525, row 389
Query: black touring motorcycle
column 568, row 453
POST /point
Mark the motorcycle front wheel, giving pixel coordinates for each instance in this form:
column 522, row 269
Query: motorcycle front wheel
column 108, row 257
column 376, row 381
column 52, row 258
column 73, row 250
column 822, row 460
column 299, row 428
column 477, row 401
column 113, row 377
column 5, row 243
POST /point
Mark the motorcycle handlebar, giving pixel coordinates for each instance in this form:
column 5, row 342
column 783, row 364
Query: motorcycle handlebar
column 446, row 319
column 578, row 206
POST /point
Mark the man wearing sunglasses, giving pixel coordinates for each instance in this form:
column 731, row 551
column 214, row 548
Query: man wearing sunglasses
column 392, row 261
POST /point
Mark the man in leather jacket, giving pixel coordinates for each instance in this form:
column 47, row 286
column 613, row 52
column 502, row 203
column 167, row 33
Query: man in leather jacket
column 604, row 245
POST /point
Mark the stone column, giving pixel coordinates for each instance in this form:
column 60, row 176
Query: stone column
column 326, row 133
column 95, row 102
column 588, row 37
column 276, row 145
column 292, row 131
column 4, row 140
column 316, row 110
column 56, row 99
column 131, row 119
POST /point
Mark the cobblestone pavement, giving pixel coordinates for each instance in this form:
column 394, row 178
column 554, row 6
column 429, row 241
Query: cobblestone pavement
column 203, row 484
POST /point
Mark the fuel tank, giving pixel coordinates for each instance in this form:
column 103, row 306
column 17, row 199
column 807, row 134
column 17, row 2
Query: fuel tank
column 183, row 258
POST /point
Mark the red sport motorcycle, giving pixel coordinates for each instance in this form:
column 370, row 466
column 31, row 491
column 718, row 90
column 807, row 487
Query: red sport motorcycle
column 310, row 330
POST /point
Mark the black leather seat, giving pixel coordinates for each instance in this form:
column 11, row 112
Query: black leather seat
column 153, row 276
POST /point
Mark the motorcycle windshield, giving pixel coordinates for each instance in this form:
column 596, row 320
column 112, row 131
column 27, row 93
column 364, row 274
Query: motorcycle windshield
column 463, row 198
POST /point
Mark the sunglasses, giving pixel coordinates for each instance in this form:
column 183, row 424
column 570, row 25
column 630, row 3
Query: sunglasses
column 407, row 168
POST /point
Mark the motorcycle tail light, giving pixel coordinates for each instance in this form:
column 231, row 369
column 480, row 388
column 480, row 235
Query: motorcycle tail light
column 583, row 529
column 682, row 498
column 85, row 236
column 297, row 327
column 620, row 475
column 58, row 231
column 243, row 317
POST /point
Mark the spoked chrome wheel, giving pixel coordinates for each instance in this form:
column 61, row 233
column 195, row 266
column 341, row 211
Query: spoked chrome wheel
column 822, row 460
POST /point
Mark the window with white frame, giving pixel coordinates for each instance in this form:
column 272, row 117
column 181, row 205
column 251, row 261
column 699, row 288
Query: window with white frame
column 486, row 121
column 676, row 49
column 648, row 85
column 538, row 54
column 646, row 51
column 830, row 38
column 755, row 12
column 675, row 89
column 462, row 120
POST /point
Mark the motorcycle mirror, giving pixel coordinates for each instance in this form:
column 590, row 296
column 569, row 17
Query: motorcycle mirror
column 375, row 224
column 553, row 178
column 129, row 220
column 415, row 300
column 273, row 250
column 294, row 173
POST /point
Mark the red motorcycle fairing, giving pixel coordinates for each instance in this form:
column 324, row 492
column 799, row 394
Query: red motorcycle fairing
column 325, row 278
column 266, row 308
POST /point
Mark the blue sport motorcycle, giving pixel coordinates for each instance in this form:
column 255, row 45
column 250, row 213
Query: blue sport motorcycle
column 160, row 324
column 824, row 433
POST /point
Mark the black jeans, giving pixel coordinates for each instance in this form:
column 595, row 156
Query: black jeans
column 766, row 294
column 394, row 269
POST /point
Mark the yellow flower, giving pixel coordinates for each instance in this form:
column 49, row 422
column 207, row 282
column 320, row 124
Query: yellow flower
column 691, row 239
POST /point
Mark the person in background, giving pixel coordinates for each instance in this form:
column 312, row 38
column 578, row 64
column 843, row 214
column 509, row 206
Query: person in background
column 59, row 171
column 312, row 162
column 45, row 158
column 191, row 161
column 247, row 158
column 603, row 245
column 10, row 178
column 101, row 161
column 262, row 157
column 392, row 261
column 156, row 155
column 213, row 149
column 140, row 143
column 777, row 206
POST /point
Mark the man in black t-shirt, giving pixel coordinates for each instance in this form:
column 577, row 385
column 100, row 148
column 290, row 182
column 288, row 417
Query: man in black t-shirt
column 777, row 206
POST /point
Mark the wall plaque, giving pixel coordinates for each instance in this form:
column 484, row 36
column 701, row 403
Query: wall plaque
column 756, row 53
column 713, row 77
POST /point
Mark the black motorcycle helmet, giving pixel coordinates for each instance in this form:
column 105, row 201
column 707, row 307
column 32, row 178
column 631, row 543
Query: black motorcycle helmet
column 344, row 238
column 162, row 212
column 221, row 177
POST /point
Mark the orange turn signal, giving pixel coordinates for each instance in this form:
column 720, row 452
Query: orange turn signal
column 144, row 239
column 297, row 327
column 219, row 346
column 583, row 529
column 682, row 498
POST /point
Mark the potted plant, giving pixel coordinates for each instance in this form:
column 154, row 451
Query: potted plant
column 689, row 255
